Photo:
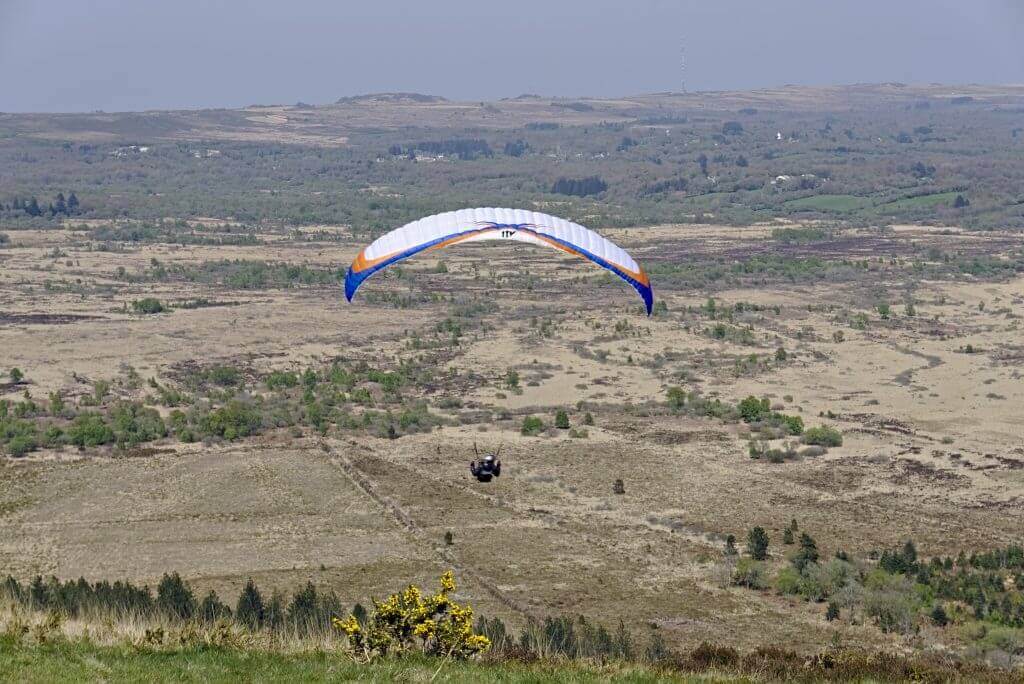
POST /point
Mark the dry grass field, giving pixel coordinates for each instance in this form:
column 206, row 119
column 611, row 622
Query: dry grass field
column 931, row 450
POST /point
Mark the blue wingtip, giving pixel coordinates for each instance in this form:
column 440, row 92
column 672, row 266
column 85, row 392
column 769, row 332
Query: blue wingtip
column 351, row 284
column 648, row 296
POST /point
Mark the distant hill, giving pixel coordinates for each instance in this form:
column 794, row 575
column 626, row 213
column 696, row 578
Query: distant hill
column 391, row 97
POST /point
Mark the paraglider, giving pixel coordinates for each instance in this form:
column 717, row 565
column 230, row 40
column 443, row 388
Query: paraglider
column 474, row 225
column 487, row 467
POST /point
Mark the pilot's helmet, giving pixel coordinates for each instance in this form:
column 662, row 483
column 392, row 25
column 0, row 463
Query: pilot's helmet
column 489, row 458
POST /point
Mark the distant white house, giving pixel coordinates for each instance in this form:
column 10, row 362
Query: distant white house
column 129, row 150
column 803, row 181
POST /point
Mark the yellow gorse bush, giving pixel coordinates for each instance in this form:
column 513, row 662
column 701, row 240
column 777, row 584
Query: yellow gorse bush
column 435, row 624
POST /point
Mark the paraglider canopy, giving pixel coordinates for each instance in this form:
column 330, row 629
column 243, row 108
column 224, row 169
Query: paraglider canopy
column 519, row 225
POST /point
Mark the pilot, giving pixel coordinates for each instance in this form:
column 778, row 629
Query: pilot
column 486, row 469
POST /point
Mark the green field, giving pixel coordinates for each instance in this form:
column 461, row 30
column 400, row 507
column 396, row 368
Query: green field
column 921, row 202
column 836, row 203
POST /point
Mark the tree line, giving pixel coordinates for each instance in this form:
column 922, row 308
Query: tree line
column 65, row 206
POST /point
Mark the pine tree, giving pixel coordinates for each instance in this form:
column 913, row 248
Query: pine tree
column 59, row 205
column 359, row 613
column 730, row 545
column 757, row 543
column 787, row 536
column 37, row 593
column 212, row 609
column 302, row 611
column 249, row 610
column 274, row 615
column 833, row 611
column 808, row 553
column 562, row 420
column 72, row 203
column 909, row 556
column 32, row 209
column 175, row 598
column 623, row 642
column 939, row 616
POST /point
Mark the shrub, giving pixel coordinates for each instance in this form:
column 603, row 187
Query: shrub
column 148, row 305
column 562, row 420
column 588, row 418
column 134, row 424
column 16, row 375
column 748, row 573
column 89, row 430
column 532, row 426
column 752, row 409
column 20, row 445
column 433, row 624
column 823, row 436
column 676, row 398
column 231, row 421
column 224, row 376
column 788, row 581
column 281, row 379
column 891, row 600
column 794, row 424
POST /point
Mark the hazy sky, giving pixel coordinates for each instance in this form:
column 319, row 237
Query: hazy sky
column 82, row 55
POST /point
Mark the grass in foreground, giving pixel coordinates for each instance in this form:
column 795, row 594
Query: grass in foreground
column 81, row 661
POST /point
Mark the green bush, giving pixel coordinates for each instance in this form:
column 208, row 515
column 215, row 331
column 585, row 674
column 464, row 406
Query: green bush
column 19, row 436
column 224, row 376
column 823, row 436
column 281, row 380
column 148, row 305
column 562, row 420
column 90, row 430
column 788, row 581
column 16, row 375
column 676, row 398
column 532, row 426
column 752, row 409
column 233, row 420
column 794, row 424
column 21, row 445
column 749, row 573
column 134, row 424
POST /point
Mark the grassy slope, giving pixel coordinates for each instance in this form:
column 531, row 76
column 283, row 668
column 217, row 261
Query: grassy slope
column 66, row 661
column 840, row 203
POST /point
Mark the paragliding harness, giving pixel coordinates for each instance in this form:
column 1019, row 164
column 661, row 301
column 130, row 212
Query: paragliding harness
column 489, row 466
